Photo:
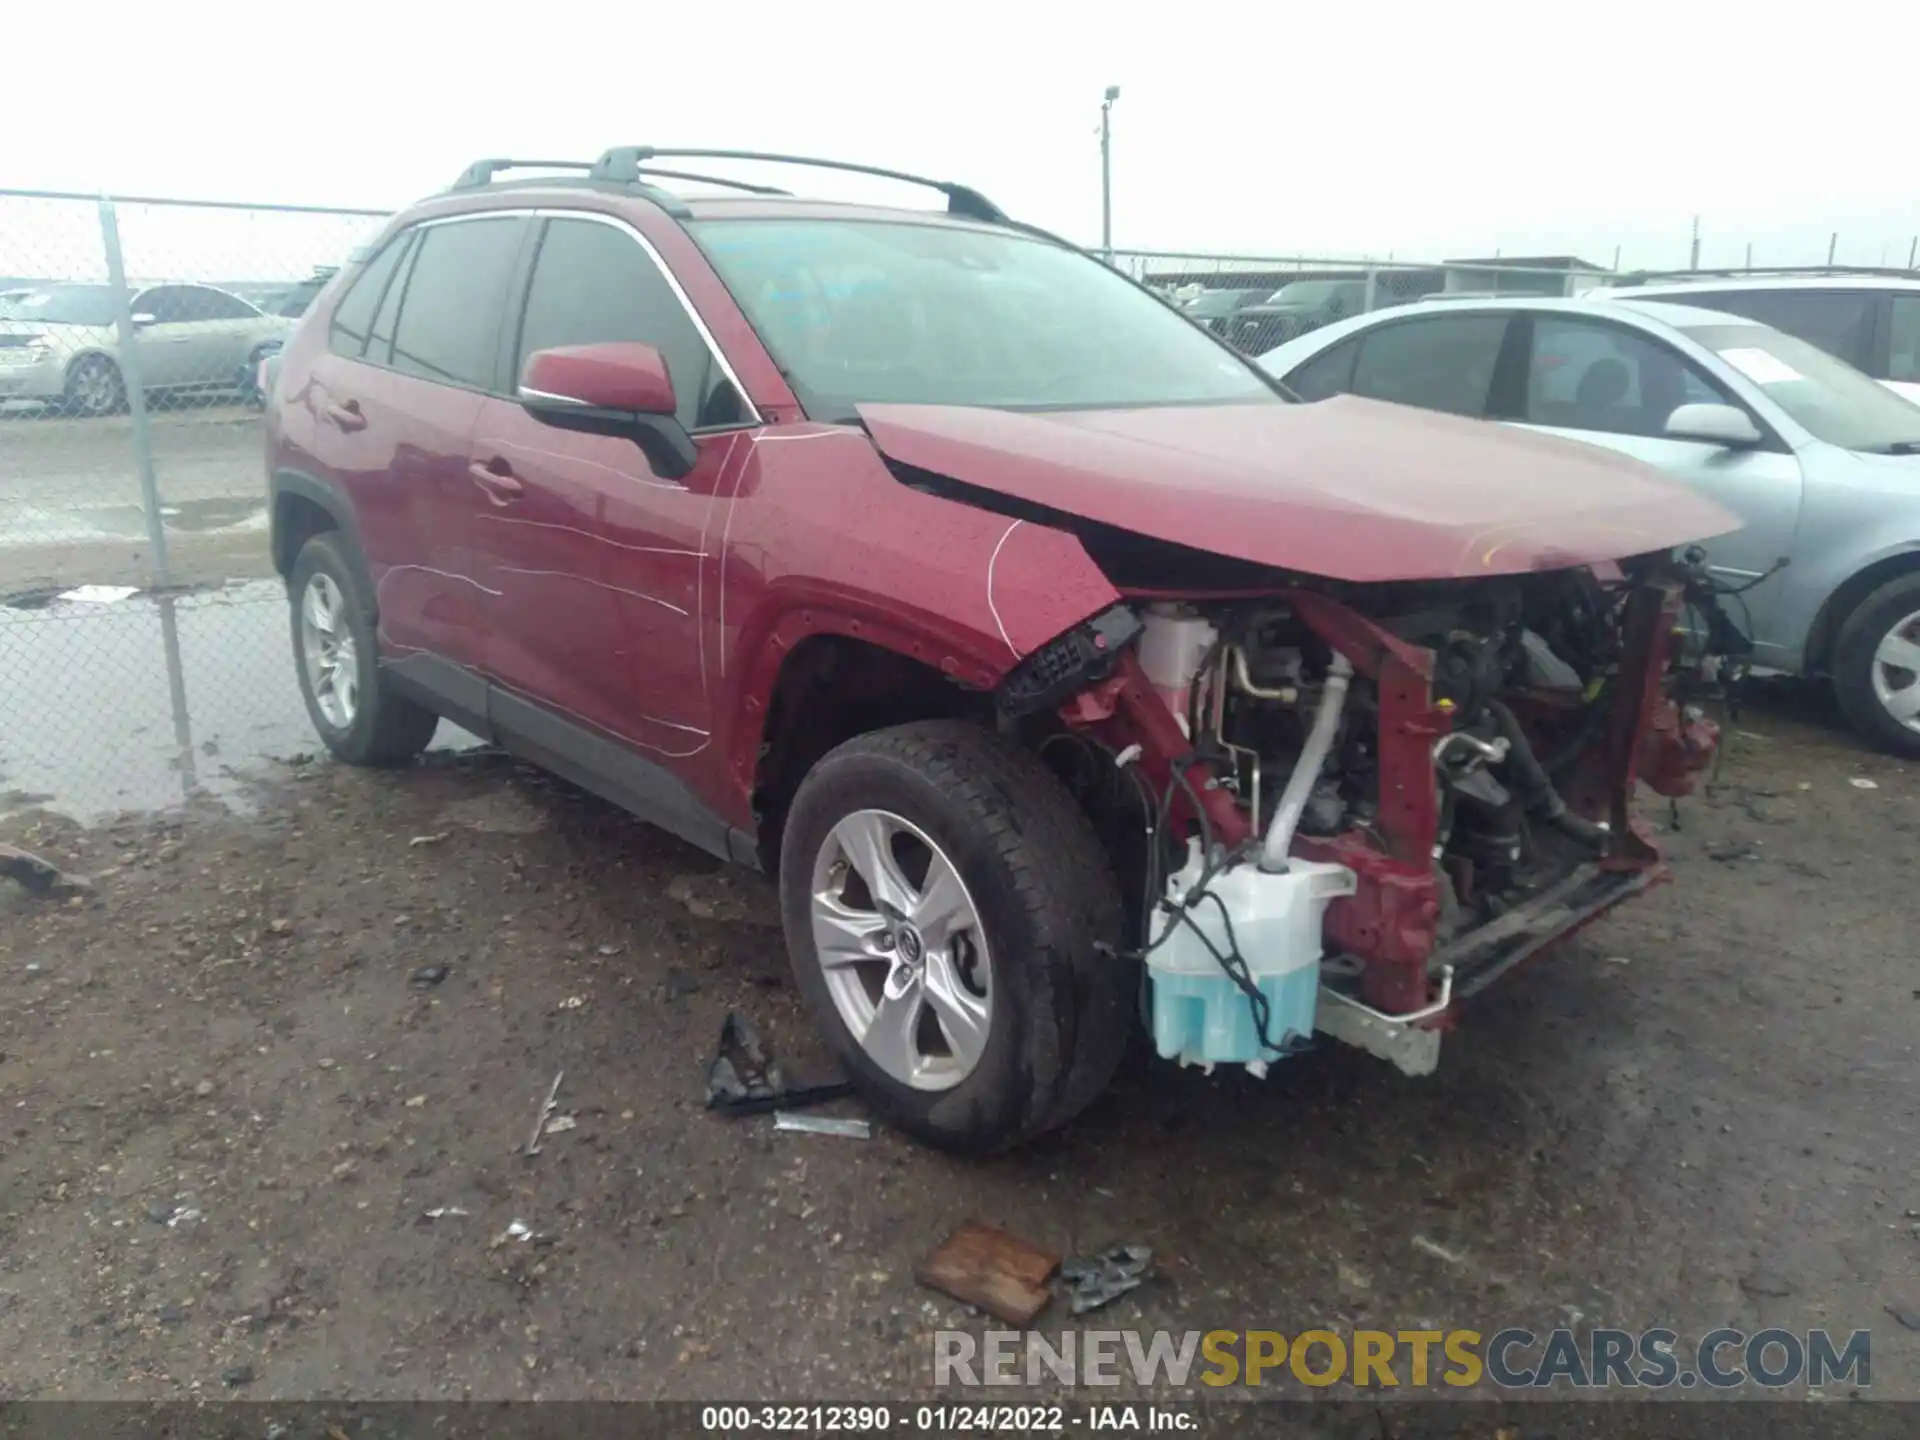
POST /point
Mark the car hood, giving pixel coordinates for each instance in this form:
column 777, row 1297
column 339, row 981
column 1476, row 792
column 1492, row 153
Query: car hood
column 1345, row 488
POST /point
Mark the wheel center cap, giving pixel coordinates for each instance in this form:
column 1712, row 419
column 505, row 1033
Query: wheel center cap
column 910, row 947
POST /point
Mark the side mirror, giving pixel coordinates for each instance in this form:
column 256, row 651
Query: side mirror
column 142, row 320
column 1726, row 425
column 617, row 388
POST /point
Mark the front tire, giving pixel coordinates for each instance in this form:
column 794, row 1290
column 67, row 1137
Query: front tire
column 954, row 925
column 1876, row 667
column 350, row 698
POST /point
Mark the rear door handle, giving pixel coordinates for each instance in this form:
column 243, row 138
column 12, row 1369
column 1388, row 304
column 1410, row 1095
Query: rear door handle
column 347, row 415
column 501, row 486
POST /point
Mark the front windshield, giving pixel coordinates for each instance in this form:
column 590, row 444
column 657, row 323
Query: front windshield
column 1831, row 399
column 62, row 305
column 858, row 311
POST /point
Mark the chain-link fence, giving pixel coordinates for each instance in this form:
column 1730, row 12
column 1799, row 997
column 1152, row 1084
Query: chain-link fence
column 142, row 648
column 131, row 335
column 110, row 702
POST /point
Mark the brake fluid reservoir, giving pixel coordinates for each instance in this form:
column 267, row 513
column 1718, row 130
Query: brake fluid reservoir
column 1172, row 647
column 1200, row 1016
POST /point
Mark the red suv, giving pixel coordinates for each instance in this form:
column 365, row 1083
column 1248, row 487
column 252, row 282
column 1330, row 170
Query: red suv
column 1064, row 670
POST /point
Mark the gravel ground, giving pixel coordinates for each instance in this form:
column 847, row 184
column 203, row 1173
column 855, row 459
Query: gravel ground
column 227, row 1113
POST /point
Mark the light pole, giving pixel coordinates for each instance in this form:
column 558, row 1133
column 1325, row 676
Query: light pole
column 1106, row 171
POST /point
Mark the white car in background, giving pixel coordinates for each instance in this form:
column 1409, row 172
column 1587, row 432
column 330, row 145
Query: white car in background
column 60, row 344
column 1870, row 321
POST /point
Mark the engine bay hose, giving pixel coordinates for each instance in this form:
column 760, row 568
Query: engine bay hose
column 1306, row 771
column 1536, row 786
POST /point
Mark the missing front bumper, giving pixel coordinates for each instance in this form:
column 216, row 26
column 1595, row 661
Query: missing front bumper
column 1401, row 1040
column 1411, row 1042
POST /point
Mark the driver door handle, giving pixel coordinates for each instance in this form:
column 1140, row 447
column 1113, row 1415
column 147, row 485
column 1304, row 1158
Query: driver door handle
column 347, row 415
column 497, row 479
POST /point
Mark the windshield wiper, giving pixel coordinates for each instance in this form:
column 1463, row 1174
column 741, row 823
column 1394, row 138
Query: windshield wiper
column 1898, row 447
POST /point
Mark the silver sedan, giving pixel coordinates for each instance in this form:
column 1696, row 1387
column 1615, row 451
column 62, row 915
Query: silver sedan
column 1822, row 463
column 60, row 344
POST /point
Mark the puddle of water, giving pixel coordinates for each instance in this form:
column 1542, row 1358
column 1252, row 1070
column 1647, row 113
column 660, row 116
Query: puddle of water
column 30, row 525
column 151, row 702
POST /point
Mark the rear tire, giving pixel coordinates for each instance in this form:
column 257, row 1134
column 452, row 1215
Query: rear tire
column 1878, row 695
column 1044, row 917
column 350, row 697
column 94, row 387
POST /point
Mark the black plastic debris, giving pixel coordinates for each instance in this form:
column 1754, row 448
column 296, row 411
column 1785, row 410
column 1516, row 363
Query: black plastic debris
column 1096, row 1280
column 745, row 1079
column 38, row 877
column 427, row 976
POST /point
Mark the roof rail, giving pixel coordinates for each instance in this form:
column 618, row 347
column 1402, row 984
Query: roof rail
column 720, row 180
column 481, row 172
column 623, row 164
column 480, row 175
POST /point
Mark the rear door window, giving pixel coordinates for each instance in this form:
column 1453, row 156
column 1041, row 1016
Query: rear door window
column 449, row 322
column 1840, row 322
column 200, row 302
column 166, row 304
column 1443, row 363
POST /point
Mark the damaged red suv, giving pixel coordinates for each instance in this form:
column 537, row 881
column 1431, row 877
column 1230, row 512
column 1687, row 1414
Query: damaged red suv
column 1067, row 673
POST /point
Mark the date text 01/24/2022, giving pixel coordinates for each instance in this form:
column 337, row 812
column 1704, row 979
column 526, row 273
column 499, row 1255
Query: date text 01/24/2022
column 939, row 1419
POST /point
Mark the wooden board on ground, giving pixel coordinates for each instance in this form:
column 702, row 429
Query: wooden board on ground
column 991, row 1270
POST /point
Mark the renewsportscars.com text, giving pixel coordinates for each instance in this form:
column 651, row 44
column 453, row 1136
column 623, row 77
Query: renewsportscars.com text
column 1603, row 1359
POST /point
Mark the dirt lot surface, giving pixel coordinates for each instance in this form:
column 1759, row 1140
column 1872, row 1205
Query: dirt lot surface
column 228, row 1116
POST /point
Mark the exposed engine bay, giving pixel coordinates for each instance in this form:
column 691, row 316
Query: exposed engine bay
column 1361, row 804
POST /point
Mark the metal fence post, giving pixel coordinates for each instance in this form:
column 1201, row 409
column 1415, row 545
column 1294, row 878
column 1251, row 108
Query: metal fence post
column 132, row 383
column 1372, row 296
column 177, row 699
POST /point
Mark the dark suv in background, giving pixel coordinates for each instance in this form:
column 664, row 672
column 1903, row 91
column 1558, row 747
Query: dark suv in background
column 1215, row 309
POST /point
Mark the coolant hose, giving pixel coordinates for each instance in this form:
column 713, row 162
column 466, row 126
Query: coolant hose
column 1306, row 770
column 1536, row 786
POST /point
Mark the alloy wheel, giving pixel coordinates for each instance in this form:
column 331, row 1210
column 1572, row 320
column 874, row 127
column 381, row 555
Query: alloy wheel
column 96, row 388
column 1896, row 672
column 328, row 651
column 903, row 949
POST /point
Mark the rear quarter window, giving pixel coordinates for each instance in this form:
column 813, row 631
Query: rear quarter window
column 353, row 316
column 1327, row 374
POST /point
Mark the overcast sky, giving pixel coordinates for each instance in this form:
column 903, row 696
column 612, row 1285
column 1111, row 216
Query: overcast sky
column 1422, row 131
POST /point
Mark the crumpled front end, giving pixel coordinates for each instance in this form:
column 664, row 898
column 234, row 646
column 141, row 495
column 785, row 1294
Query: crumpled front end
column 1364, row 804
